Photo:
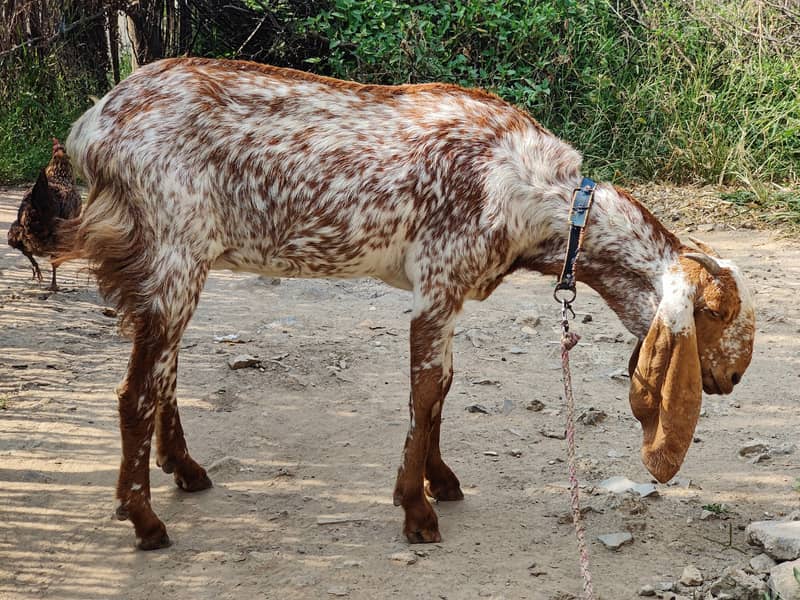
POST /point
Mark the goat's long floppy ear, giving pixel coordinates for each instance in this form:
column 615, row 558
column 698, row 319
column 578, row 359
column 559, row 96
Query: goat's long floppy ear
column 666, row 393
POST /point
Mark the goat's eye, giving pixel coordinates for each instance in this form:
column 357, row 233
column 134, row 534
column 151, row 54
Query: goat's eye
column 713, row 313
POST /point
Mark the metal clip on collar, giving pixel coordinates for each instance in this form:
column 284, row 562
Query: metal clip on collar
column 565, row 290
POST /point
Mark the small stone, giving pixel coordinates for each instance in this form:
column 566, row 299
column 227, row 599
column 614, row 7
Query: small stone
column 680, row 482
column 490, row 453
column 592, row 416
column 406, row 558
column 647, row 590
column 477, row 408
column 759, row 458
column 231, row 338
column 535, row 405
column 556, row 435
column 515, row 453
column 587, row 318
column 517, row 350
column 352, row 564
column 691, row 577
column 645, row 489
column 338, row 590
column 705, row 227
column 109, row 312
column 485, row 381
column 762, row 563
column 614, row 541
column 478, row 338
column 529, row 318
column 620, row 375
column 617, row 484
column 536, row 571
column 707, row 515
column 665, row 586
column 605, row 338
column 243, row 361
column 754, row 447
column 784, row 579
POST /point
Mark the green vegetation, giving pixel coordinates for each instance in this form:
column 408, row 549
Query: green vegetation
column 683, row 91
column 717, row 509
column 38, row 101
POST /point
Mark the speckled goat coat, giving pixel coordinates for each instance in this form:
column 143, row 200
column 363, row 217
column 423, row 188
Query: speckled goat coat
column 196, row 164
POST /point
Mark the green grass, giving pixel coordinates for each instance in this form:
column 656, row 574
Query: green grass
column 717, row 509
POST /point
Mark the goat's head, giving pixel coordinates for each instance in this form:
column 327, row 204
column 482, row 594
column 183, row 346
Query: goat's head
column 700, row 339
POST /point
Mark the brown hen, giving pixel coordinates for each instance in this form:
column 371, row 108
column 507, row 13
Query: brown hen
column 53, row 196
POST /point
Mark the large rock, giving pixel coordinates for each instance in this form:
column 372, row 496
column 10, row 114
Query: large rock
column 738, row 585
column 784, row 582
column 780, row 539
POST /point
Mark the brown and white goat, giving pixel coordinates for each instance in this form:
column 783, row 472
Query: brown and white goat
column 198, row 164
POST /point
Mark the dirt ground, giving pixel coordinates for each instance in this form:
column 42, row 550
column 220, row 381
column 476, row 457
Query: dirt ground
column 303, row 451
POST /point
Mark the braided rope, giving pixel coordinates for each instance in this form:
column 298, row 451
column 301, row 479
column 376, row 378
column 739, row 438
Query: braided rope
column 568, row 341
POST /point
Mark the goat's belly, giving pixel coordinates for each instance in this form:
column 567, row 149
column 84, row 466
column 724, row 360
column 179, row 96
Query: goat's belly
column 386, row 265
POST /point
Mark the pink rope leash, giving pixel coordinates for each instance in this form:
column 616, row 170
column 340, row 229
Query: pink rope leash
column 568, row 341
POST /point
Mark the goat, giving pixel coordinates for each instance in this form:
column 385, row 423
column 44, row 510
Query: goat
column 197, row 164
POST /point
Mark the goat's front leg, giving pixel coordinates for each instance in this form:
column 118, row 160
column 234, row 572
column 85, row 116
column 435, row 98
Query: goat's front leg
column 441, row 483
column 430, row 335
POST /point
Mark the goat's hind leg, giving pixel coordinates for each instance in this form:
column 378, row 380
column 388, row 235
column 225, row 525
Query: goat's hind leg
column 137, row 407
column 172, row 455
column 147, row 403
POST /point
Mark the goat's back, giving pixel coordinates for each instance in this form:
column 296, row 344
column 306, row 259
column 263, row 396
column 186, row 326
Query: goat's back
column 282, row 164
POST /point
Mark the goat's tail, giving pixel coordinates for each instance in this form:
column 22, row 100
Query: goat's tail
column 109, row 235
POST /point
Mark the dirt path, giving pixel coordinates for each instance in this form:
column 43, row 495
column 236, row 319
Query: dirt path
column 316, row 434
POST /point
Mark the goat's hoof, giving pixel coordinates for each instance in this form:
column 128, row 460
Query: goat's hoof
column 421, row 524
column 422, row 536
column 443, row 493
column 197, row 482
column 156, row 542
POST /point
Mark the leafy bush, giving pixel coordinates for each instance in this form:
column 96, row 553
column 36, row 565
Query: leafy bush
column 38, row 100
column 685, row 91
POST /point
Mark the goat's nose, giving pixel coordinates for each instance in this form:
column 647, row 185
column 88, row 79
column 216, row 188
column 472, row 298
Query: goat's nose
column 736, row 378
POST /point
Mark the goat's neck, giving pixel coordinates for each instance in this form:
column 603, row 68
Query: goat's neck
column 625, row 256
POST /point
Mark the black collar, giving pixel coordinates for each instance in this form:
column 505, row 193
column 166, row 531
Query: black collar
column 582, row 198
